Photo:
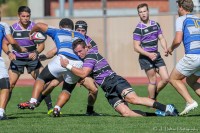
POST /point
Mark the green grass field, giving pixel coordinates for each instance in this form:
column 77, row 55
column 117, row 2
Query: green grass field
column 74, row 121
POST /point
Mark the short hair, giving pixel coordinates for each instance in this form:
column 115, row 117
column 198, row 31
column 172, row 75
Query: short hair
column 142, row 5
column 78, row 42
column 187, row 5
column 81, row 24
column 66, row 23
column 24, row 9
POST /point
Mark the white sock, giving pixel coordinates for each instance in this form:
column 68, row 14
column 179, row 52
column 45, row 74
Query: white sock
column 57, row 107
column 2, row 111
column 33, row 100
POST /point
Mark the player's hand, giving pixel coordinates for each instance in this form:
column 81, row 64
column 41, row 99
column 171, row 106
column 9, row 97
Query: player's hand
column 32, row 55
column 152, row 56
column 170, row 50
column 64, row 62
column 23, row 50
column 166, row 52
column 11, row 56
column 42, row 57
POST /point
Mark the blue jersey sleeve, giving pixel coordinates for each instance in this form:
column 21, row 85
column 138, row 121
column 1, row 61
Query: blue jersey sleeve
column 51, row 31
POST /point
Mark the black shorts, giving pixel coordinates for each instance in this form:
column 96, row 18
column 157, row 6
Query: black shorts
column 113, row 87
column 4, row 83
column 19, row 64
column 147, row 64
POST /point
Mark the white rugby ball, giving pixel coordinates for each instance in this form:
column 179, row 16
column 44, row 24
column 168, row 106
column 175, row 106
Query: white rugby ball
column 38, row 37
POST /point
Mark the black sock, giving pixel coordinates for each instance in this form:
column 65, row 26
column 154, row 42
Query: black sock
column 156, row 94
column 159, row 106
column 48, row 101
column 140, row 112
column 90, row 108
column 41, row 98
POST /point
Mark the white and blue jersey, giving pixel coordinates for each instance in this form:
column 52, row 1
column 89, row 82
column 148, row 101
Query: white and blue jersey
column 4, row 30
column 190, row 26
column 63, row 39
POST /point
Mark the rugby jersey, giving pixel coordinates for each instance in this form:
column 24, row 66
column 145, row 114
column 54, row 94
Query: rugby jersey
column 63, row 39
column 4, row 30
column 190, row 26
column 147, row 35
column 100, row 67
column 90, row 41
column 21, row 35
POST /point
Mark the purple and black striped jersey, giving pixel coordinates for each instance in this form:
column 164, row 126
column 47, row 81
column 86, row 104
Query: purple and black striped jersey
column 100, row 67
column 148, row 35
column 21, row 35
column 91, row 42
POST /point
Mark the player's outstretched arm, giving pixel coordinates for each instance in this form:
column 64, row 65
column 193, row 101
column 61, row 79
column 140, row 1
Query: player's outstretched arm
column 176, row 42
column 50, row 54
column 39, row 27
column 81, row 72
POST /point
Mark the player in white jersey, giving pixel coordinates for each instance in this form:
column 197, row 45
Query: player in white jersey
column 4, row 78
column 188, row 32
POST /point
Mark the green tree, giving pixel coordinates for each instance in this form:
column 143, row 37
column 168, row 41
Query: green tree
column 11, row 7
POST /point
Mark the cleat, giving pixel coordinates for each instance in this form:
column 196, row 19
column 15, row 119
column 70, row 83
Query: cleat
column 56, row 113
column 171, row 110
column 189, row 107
column 27, row 105
column 93, row 113
column 3, row 117
column 160, row 113
column 50, row 112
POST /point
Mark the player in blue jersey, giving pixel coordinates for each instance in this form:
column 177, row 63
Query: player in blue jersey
column 117, row 90
column 63, row 39
column 80, row 26
column 29, row 60
column 146, row 36
column 188, row 32
column 4, row 77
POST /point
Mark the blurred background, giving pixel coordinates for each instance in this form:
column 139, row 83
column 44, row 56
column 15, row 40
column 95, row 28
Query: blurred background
column 110, row 24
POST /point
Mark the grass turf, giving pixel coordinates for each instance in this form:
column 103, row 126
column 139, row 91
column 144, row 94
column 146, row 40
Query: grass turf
column 73, row 119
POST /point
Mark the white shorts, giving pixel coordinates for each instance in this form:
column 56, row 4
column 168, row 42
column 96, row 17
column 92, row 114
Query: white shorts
column 57, row 70
column 3, row 69
column 189, row 64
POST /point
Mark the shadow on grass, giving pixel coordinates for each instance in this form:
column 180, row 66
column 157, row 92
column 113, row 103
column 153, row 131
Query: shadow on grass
column 84, row 115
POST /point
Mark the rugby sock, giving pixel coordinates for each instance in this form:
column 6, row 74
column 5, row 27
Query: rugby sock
column 2, row 111
column 41, row 98
column 48, row 101
column 140, row 112
column 159, row 106
column 57, row 107
column 90, row 108
column 33, row 100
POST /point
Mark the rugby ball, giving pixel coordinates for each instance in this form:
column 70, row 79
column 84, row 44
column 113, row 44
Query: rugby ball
column 38, row 37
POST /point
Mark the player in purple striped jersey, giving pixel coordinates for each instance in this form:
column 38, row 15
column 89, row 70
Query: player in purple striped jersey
column 117, row 90
column 29, row 60
column 146, row 36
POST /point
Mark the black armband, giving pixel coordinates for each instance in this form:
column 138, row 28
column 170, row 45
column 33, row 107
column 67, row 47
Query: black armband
column 42, row 57
column 8, row 52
